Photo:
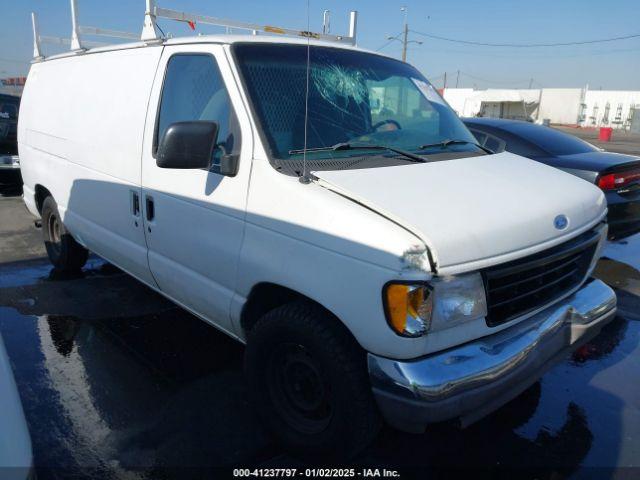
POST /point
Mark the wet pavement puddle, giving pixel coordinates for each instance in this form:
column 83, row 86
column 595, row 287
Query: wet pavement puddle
column 118, row 382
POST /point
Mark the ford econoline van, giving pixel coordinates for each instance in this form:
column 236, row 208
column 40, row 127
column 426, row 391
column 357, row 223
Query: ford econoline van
column 324, row 205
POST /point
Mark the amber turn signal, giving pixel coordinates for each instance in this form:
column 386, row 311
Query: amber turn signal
column 408, row 308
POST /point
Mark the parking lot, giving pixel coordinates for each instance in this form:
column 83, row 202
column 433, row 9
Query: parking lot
column 622, row 141
column 118, row 382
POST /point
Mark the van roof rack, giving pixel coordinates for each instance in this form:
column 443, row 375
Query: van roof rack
column 150, row 30
column 38, row 40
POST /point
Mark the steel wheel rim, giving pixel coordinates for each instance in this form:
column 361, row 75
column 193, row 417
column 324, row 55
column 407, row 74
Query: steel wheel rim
column 297, row 389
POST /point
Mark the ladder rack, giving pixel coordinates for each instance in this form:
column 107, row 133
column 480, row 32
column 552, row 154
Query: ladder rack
column 38, row 40
column 150, row 30
column 108, row 33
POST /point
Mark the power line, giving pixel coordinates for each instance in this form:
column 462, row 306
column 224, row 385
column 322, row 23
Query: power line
column 387, row 43
column 529, row 54
column 434, row 79
column 457, row 73
column 504, row 82
column 527, row 45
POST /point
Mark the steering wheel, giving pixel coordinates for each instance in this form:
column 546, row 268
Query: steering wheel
column 388, row 121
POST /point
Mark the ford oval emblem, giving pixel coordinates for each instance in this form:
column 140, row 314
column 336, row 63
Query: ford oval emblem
column 561, row 222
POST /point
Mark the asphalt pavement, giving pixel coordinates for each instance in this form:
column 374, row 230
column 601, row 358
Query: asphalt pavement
column 622, row 141
column 117, row 382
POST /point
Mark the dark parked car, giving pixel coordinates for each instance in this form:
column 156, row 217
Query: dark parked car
column 616, row 174
column 9, row 162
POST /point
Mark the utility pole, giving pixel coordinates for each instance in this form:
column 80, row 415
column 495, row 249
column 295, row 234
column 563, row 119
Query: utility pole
column 445, row 80
column 530, row 83
column 457, row 78
column 405, row 36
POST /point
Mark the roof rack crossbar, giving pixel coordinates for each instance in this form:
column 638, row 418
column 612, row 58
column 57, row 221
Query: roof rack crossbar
column 159, row 12
column 103, row 32
column 66, row 41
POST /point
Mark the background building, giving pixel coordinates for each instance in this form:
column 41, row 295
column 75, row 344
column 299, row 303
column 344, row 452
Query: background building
column 564, row 106
column 12, row 85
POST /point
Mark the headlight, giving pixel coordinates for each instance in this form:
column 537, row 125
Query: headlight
column 413, row 309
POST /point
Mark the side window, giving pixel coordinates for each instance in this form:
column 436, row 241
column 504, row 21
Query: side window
column 481, row 137
column 9, row 110
column 194, row 90
column 495, row 144
column 522, row 147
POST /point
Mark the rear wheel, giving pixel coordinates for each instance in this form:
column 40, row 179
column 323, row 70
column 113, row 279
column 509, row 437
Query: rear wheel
column 309, row 382
column 64, row 252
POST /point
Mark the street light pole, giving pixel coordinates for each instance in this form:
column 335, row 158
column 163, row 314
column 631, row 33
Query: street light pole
column 405, row 36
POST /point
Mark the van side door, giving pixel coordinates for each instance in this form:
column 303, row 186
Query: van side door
column 194, row 218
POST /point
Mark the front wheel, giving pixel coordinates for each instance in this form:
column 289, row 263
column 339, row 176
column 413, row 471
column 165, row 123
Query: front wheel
column 64, row 252
column 309, row 382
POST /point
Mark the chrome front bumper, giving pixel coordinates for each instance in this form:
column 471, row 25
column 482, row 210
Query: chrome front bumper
column 474, row 379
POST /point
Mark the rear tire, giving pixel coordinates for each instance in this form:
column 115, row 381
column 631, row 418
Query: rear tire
column 309, row 382
column 64, row 252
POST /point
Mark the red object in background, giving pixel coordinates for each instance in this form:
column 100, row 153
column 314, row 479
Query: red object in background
column 605, row 134
column 13, row 81
column 192, row 24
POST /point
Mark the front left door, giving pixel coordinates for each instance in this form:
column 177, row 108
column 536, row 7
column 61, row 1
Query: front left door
column 194, row 219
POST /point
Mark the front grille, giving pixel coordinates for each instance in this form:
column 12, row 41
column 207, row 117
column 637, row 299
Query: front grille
column 521, row 286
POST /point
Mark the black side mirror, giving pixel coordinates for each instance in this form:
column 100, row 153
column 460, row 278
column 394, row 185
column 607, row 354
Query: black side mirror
column 187, row 145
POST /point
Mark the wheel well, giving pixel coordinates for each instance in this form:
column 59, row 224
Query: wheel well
column 41, row 194
column 263, row 298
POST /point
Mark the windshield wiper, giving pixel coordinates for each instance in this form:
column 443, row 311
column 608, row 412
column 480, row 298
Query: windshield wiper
column 348, row 146
column 446, row 143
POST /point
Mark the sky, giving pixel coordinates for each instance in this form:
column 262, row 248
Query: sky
column 611, row 65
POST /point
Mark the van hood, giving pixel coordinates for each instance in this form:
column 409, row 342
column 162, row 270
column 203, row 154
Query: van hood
column 474, row 212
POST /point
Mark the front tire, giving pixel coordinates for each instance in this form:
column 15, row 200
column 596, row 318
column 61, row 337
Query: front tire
column 64, row 252
column 309, row 382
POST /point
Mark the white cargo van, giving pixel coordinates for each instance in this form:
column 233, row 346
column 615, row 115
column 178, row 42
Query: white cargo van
column 324, row 205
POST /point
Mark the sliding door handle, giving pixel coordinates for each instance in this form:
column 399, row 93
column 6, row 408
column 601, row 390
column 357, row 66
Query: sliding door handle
column 135, row 204
column 150, row 208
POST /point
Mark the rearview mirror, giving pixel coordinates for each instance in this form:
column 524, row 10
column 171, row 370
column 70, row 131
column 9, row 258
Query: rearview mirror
column 187, row 145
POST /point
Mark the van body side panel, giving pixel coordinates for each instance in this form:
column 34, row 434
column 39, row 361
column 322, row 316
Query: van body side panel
column 197, row 227
column 330, row 249
column 82, row 140
column 28, row 172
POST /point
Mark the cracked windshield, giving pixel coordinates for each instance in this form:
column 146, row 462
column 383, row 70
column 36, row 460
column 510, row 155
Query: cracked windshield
column 361, row 107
